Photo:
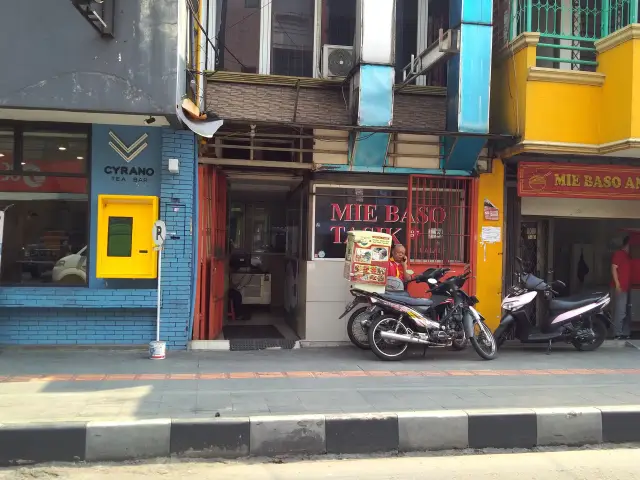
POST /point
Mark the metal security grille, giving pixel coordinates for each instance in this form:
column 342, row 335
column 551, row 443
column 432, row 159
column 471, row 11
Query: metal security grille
column 534, row 253
column 568, row 28
column 440, row 220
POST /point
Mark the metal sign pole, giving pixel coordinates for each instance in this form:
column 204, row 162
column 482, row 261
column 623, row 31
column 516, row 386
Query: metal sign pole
column 158, row 234
column 160, row 249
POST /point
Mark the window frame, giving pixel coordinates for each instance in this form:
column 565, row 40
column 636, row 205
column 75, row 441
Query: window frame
column 18, row 154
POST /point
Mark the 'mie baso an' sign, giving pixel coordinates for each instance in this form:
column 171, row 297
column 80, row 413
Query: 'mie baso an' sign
column 380, row 218
column 578, row 181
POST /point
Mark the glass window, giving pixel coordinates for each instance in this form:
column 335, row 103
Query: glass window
column 292, row 29
column 120, row 236
column 46, row 209
column 239, row 36
column 6, row 148
column 55, row 152
column 338, row 22
column 439, row 231
column 340, row 210
column 406, row 34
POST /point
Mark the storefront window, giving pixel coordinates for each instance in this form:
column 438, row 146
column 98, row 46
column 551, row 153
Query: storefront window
column 440, row 218
column 44, row 197
column 339, row 210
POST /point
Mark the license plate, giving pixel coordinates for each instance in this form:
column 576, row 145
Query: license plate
column 349, row 308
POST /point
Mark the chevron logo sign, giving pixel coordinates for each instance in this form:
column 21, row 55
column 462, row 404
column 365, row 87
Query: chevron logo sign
column 128, row 153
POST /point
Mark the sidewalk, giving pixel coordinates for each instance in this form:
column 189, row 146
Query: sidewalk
column 99, row 405
column 45, row 386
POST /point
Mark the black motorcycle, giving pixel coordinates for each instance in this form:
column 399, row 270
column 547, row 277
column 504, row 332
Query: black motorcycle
column 406, row 323
column 366, row 310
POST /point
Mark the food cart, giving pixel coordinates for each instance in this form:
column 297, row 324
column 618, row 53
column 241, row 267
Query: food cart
column 367, row 260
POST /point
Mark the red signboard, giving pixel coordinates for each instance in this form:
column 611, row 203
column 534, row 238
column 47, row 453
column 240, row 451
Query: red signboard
column 32, row 181
column 578, row 181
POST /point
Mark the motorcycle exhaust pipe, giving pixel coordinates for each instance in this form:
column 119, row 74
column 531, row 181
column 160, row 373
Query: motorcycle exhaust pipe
column 405, row 338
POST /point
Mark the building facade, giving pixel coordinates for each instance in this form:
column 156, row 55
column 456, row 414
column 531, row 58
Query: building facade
column 89, row 123
column 341, row 115
column 332, row 116
column 564, row 82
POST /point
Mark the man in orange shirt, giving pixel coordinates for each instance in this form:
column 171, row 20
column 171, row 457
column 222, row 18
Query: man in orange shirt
column 398, row 264
column 621, row 280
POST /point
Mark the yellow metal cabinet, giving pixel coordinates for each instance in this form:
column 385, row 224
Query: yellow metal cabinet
column 125, row 246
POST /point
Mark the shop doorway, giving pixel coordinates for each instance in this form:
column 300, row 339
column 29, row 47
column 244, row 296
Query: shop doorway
column 256, row 279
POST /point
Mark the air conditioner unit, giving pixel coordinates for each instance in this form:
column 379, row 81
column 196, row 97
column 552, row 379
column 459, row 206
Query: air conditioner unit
column 337, row 61
column 254, row 288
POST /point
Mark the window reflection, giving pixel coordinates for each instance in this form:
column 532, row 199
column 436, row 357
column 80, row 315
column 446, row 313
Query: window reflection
column 292, row 37
column 45, row 205
column 239, row 36
column 44, row 241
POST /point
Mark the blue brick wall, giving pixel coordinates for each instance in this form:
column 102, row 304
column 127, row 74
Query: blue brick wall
column 63, row 326
column 91, row 316
column 176, row 209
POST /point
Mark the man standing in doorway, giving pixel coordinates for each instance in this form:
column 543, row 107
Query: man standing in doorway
column 398, row 263
column 621, row 275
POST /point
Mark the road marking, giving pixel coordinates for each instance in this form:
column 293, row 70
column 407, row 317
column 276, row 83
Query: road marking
column 140, row 377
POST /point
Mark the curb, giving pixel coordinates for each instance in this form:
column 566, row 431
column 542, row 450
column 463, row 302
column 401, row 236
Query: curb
column 309, row 434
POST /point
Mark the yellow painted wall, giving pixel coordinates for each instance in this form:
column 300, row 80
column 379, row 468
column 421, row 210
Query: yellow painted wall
column 564, row 109
column 616, row 92
column 508, row 91
column 561, row 112
column 488, row 266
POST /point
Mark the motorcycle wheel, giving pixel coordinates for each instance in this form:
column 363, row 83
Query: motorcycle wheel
column 357, row 334
column 483, row 341
column 501, row 335
column 600, row 329
column 388, row 350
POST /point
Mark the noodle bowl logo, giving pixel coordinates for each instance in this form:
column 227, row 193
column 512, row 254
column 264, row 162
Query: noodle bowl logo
column 32, row 181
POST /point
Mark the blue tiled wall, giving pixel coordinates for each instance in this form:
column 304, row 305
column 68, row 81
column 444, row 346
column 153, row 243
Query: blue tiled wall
column 119, row 316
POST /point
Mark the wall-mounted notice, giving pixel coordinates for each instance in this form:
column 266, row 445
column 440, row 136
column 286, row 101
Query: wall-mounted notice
column 491, row 234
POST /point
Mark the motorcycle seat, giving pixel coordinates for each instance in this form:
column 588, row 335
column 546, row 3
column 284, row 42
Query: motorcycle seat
column 406, row 300
column 575, row 301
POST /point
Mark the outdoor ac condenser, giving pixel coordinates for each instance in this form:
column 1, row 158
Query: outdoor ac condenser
column 337, row 61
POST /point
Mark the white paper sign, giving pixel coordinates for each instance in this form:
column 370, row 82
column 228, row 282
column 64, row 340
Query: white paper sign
column 491, row 234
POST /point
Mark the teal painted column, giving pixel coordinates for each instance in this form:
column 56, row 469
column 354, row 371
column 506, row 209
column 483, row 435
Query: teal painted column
column 469, row 82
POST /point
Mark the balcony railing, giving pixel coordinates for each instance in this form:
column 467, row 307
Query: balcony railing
column 568, row 28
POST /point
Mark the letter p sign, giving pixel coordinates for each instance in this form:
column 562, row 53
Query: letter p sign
column 159, row 233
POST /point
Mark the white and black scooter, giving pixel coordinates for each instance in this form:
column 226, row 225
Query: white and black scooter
column 579, row 319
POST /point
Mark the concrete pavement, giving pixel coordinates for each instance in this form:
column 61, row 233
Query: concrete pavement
column 79, row 385
column 101, row 405
column 610, row 464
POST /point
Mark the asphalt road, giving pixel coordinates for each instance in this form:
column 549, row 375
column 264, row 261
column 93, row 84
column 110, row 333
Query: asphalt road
column 606, row 464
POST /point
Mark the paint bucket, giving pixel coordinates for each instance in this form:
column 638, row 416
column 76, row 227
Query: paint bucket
column 157, row 350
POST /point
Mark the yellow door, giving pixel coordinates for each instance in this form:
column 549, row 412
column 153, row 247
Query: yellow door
column 125, row 243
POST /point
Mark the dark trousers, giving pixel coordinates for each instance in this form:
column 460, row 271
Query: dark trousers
column 235, row 299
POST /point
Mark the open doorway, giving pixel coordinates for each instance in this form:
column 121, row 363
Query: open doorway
column 265, row 218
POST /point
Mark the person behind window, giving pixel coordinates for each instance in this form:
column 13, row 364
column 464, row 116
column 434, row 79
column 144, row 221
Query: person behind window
column 398, row 264
column 621, row 280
